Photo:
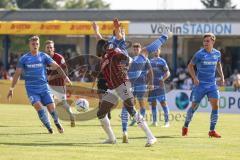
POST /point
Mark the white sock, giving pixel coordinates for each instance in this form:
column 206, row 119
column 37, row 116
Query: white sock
column 107, row 128
column 143, row 125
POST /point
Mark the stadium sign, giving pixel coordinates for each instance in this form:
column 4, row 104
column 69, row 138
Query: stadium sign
column 57, row 27
column 187, row 28
column 179, row 100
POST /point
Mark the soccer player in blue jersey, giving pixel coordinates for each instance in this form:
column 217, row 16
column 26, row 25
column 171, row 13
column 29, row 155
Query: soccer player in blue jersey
column 207, row 60
column 137, row 73
column 160, row 74
column 33, row 66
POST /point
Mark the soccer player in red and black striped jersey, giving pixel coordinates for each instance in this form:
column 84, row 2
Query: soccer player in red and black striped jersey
column 57, row 83
column 114, row 67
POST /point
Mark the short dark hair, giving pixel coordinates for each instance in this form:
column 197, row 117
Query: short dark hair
column 101, row 47
column 137, row 45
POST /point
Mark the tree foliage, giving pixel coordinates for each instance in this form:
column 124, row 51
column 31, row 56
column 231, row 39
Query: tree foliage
column 218, row 4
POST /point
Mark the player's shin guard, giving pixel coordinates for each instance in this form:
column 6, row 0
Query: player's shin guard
column 44, row 118
column 124, row 118
column 188, row 119
column 107, row 128
column 143, row 125
column 166, row 112
column 154, row 114
column 214, row 119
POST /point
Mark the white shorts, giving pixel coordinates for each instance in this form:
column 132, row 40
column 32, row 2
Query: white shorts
column 59, row 92
column 124, row 91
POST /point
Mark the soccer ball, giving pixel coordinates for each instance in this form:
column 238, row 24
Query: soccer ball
column 82, row 105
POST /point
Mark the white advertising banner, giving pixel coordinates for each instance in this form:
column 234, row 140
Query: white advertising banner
column 179, row 100
column 188, row 28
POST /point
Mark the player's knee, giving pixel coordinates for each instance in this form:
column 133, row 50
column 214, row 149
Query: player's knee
column 129, row 102
column 101, row 114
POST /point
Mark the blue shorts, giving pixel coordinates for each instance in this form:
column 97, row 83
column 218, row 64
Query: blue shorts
column 198, row 92
column 139, row 91
column 44, row 97
column 157, row 95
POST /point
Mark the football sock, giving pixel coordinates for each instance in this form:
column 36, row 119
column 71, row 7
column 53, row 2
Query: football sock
column 143, row 111
column 188, row 119
column 166, row 112
column 154, row 114
column 214, row 119
column 124, row 118
column 55, row 116
column 68, row 109
column 107, row 128
column 44, row 118
column 143, row 125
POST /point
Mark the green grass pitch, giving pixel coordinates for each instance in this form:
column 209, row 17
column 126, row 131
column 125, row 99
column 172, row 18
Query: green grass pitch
column 22, row 137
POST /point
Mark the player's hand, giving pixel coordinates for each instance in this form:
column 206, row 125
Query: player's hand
column 10, row 95
column 116, row 23
column 222, row 82
column 68, row 81
column 195, row 81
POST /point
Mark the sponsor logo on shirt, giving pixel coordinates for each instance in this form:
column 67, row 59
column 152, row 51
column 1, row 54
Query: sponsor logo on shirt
column 38, row 65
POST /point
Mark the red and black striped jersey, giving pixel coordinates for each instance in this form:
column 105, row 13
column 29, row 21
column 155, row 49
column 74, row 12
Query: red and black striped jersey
column 113, row 67
column 61, row 62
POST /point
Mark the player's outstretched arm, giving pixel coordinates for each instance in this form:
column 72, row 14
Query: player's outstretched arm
column 220, row 72
column 60, row 71
column 155, row 45
column 14, row 82
column 96, row 30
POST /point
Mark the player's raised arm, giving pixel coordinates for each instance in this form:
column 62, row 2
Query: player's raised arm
column 14, row 82
column 117, row 29
column 96, row 30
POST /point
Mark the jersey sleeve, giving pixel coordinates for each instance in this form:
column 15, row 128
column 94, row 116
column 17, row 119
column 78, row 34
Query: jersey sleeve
column 195, row 59
column 20, row 63
column 148, row 64
column 165, row 66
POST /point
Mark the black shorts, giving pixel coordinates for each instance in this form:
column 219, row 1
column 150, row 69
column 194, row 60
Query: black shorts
column 101, row 84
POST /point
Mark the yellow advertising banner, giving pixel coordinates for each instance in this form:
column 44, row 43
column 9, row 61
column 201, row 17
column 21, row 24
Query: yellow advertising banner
column 57, row 27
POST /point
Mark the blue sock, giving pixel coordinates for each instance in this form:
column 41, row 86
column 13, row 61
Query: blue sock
column 166, row 112
column 153, row 47
column 214, row 118
column 143, row 111
column 188, row 119
column 44, row 118
column 124, row 118
column 55, row 117
column 154, row 114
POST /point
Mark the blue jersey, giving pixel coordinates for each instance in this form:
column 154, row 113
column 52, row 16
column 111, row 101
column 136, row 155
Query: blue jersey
column 34, row 71
column 159, row 67
column 138, row 70
column 206, row 64
column 121, row 44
